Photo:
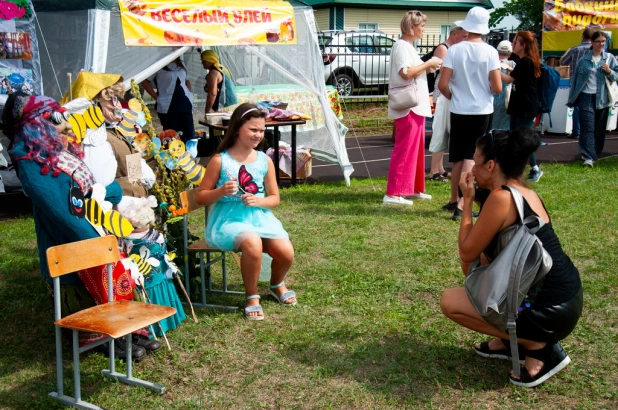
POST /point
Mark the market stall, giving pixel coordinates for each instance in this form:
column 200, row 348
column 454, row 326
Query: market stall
column 563, row 23
column 97, row 40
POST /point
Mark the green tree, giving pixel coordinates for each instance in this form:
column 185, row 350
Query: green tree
column 528, row 12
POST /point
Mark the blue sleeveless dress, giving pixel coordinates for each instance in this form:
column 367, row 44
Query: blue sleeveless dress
column 229, row 220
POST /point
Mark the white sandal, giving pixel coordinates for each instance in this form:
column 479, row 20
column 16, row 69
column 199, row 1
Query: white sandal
column 284, row 296
column 252, row 309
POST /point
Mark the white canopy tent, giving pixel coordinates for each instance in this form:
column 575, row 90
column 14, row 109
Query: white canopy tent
column 92, row 39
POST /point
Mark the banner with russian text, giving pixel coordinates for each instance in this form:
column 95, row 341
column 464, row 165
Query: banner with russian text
column 207, row 22
column 564, row 21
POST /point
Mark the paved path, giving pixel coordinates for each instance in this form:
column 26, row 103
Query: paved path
column 370, row 155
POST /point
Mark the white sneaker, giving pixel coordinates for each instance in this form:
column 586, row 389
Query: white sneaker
column 421, row 195
column 589, row 163
column 396, row 200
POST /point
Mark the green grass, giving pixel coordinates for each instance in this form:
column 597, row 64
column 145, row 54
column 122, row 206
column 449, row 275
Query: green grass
column 367, row 333
column 366, row 118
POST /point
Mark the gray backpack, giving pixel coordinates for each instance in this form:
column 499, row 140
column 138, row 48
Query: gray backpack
column 497, row 289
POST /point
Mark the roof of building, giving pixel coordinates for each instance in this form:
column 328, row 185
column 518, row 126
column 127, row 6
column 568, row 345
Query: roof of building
column 403, row 4
column 72, row 5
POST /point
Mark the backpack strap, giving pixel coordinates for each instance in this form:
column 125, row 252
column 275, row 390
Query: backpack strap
column 516, row 272
column 532, row 222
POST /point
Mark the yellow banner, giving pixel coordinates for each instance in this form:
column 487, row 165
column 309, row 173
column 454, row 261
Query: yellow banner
column 564, row 21
column 207, row 22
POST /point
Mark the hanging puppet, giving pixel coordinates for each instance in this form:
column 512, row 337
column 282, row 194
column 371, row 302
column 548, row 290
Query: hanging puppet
column 106, row 90
column 49, row 164
column 147, row 248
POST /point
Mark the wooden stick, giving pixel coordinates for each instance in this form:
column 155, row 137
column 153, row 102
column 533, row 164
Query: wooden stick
column 70, row 86
column 186, row 296
column 158, row 323
column 149, row 326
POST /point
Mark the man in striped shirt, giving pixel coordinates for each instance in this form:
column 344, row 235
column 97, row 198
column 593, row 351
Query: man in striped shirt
column 570, row 58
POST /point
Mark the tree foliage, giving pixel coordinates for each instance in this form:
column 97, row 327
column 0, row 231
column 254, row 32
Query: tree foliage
column 528, row 12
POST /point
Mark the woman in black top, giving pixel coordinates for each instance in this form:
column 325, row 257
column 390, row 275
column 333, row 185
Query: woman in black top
column 524, row 101
column 553, row 307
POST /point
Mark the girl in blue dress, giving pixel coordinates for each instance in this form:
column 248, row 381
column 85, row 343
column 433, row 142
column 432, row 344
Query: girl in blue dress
column 241, row 186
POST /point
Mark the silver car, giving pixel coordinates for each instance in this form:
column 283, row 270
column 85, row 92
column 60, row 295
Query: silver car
column 356, row 59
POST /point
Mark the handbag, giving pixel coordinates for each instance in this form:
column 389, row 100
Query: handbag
column 612, row 87
column 440, row 126
column 400, row 98
column 507, row 95
column 497, row 289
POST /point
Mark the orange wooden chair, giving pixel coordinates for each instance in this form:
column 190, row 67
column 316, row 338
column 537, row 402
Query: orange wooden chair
column 202, row 248
column 114, row 319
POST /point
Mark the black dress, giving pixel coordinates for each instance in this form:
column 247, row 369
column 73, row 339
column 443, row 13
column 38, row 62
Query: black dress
column 552, row 307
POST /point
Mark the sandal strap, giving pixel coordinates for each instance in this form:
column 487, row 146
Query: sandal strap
column 542, row 354
column 287, row 295
column 252, row 297
column 276, row 286
column 254, row 308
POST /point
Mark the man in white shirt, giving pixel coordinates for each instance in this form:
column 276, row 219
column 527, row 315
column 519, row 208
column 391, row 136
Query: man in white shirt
column 470, row 76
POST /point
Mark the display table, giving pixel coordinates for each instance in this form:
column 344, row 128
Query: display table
column 298, row 99
column 274, row 124
column 562, row 116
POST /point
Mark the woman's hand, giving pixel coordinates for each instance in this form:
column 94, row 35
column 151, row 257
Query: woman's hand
column 249, row 199
column 466, row 183
column 605, row 68
column 435, row 63
column 230, row 188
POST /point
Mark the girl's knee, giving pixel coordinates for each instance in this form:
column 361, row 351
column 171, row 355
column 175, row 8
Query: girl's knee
column 251, row 246
column 281, row 250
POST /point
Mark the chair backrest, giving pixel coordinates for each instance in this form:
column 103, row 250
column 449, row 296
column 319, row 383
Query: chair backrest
column 76, row 256
column 187, row 200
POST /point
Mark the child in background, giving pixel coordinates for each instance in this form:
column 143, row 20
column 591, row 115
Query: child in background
column 501, row 120
column 241, row 185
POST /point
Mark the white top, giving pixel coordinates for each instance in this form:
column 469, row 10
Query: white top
column 591, row 84
column 166, row 83
column 404, row 55
column 471, row 63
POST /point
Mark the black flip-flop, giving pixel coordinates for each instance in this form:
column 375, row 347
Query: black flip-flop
column 439, row 177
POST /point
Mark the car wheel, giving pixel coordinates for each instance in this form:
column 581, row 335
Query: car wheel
column 344, row 84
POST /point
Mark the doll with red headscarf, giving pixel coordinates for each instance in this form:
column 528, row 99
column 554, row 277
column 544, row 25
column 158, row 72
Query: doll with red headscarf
column 56, row 179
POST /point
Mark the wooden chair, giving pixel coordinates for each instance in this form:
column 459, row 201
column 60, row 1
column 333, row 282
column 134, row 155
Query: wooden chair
column 202, row 248
column 114, row 319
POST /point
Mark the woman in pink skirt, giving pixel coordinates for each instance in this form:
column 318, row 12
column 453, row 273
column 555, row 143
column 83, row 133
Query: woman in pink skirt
column 406, row 174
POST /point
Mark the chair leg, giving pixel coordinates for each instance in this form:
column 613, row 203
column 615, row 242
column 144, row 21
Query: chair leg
column 75, row 402
column 209, row 271
column 129, row 351
column 59, row 375
column 224, row 272
column 128, row 377
column 202, row 276
column 76, row 378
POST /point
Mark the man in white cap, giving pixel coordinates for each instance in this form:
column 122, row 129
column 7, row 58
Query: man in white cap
column 439, row 135
column 469, row 78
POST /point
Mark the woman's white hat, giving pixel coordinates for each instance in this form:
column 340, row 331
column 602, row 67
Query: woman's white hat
column 477, row 21
column 505, row 46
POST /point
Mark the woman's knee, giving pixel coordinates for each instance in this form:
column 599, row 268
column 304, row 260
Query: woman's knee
column 448, row 302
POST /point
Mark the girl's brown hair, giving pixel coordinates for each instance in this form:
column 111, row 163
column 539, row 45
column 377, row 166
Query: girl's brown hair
column 531, row 49
column 243, row 113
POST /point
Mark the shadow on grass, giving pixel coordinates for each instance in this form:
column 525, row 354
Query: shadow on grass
column 405, row 368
